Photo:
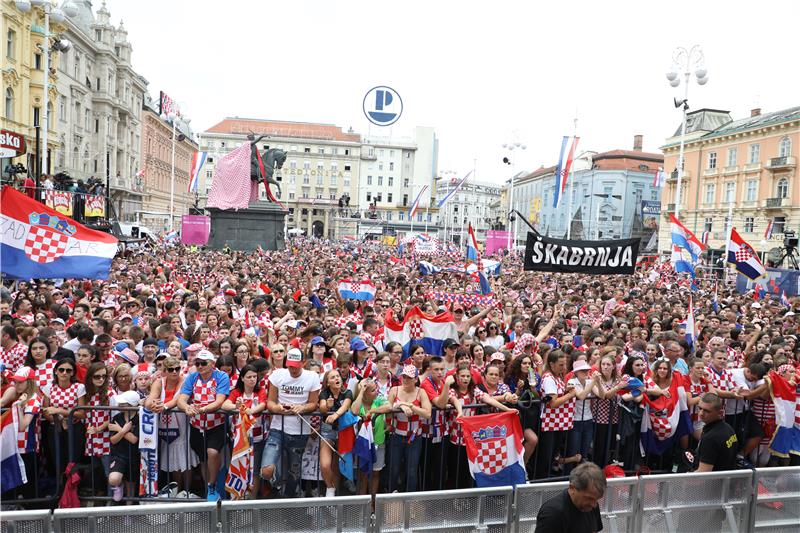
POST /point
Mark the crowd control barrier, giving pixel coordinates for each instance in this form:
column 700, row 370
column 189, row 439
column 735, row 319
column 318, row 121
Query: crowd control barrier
column 334, row 515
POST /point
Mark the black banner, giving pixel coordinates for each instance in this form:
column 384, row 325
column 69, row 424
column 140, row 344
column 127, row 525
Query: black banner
column 590, row 257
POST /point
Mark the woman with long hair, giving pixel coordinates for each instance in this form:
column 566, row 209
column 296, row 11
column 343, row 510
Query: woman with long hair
column 631, row 413
column 558, row 405
column 58, row 399
column 28, row 401
column 334, row 401
column 523, row 381
column 384, row 379
column 98, row 437
column 40, row 361
column 242, row 356
column 605, row 408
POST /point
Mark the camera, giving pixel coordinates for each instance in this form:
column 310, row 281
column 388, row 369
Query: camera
column 790, row 239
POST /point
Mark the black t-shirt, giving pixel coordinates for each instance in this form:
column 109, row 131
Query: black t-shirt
column 718, row 446
column 559, row 515
column 124, row 449
column 344, row 394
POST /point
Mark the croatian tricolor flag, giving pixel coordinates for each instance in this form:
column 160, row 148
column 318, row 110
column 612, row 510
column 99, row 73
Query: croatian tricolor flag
column 786, row 439
column 567, row 166
column 744, row 258
column 685, row 239
column 768, row 231
column 416, row 203
column 660, row 178
column 198, row 160
column 39, row 242
column 428, row 330
column 454, row 190
column 12, row 469
column 494, row 449
column 357, row 290
column 557, row 191
column 667, row 418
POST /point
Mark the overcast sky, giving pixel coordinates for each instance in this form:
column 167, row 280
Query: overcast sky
column 481, row 73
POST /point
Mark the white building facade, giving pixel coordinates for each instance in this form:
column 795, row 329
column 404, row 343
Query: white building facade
column 475, row 202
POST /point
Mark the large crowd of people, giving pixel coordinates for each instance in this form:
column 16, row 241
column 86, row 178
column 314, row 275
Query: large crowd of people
column 200, row 336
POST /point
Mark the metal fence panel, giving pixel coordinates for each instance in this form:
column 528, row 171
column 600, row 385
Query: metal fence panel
column 340, row 514
column 713, row 501
column 467, row 510
column 529, row 499
column 200, row 517
column 25, row 521
column 777, row 504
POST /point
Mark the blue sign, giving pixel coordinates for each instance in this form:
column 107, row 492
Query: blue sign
column 382, row 105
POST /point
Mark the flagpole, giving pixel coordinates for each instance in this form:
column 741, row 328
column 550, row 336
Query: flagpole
column 572, row 181
column 411, row 213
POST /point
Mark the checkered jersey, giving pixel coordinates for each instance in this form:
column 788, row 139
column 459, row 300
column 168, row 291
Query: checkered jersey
column 697, row 389
column 435, row 427
column 28, row 440
column 605, row 411
column 14, row 357
column 456, row 432
column 722, row 380
column 44, row 373
column 560, row 418
column 64, row 398
column 98, row 444
column 205, row 394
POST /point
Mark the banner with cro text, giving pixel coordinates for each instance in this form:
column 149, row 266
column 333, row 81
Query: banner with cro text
column 545, row 254
column 95, row 206
column 61, row 201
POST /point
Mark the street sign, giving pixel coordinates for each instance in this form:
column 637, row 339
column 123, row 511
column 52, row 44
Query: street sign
column 11, row 144
column 382, row 105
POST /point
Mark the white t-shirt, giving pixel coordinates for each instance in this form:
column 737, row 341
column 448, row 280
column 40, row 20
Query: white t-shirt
column 735, row 405
column 293, row 391
column 583, row 409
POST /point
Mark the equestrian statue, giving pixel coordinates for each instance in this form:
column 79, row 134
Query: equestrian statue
column 263, row 165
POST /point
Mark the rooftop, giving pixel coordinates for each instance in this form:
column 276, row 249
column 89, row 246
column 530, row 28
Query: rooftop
column 283, row 128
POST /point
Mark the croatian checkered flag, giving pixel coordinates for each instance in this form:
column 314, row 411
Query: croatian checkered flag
column 232, row 187
column 494, row 448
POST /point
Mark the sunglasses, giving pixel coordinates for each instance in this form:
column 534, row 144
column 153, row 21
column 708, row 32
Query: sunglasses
column 100, row 376
column 492, row 327
column 63, row 370
column 173, row 369
column 481, row 331
column 200, row 363
column 279, row 351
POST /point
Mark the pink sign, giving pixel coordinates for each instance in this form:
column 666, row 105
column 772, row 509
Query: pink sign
column 195, row 229
column 496, row 240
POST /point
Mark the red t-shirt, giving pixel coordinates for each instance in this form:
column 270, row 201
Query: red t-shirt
column 260, row 397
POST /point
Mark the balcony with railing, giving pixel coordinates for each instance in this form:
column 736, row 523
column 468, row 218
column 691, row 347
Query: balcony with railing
column 782, row 163
column 674, row 175
column 775, row 203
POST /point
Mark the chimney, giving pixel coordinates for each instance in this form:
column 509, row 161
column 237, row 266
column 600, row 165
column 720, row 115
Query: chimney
column 755, row 112
column 637, row 143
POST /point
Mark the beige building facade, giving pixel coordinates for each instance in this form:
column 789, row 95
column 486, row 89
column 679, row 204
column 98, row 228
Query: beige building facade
column 746, row 168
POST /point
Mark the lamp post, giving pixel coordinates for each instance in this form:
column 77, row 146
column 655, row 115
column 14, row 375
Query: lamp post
column 61, row 45
column 683, row 62
column 513, row 225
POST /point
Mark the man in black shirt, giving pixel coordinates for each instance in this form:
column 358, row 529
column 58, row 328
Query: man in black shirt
column 575, row 510
column 718, row 442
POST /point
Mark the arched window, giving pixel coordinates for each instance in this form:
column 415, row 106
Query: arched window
column 9, row 104
column 785, row 147
column 783, row 188
column 75, row 157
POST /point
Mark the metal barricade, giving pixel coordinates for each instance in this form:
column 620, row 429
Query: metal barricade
column 25, row 522
column 776, row 502
column 468, row 510
column 709, row 501
column 335, row 515
column 199, row 517
column 528, row 499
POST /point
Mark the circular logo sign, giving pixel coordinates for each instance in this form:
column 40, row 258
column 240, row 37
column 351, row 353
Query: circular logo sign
column 382, row 105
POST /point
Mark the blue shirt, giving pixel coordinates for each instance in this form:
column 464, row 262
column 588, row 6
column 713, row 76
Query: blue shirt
column 223, row 382
column 681, row 366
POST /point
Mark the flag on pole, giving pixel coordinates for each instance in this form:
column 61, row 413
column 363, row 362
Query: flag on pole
column 660, row 178
column 455, row 190
column 415, row 205
column 683, row 238
column 744, row 257
column 786, row 439
column 785, row 301
column 357, row 290
column 557, row 192
column 704, row 237
column 428, row 330
column 568, row 165
column 198, row 160
column 494, row 448
column 768, row 231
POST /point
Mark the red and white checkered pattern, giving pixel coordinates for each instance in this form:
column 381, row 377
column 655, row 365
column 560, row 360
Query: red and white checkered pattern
column 492, row 456
column 232, row 186
column 342, row 321
column 32, row 407
column 560, row 418
column 44, row 245
column 764, row 411
column 65, row 398
column 601, row 409
column 415, row 329
column 697, row 389
column 44, row 373
column 98, row 444
column 202, row 395
column 722, row 381
column 14, row 357
column 403, row 425
column 456, row 432
column 744, row 253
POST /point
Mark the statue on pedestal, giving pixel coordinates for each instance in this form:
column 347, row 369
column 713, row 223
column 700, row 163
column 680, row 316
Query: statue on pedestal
column 263, row 165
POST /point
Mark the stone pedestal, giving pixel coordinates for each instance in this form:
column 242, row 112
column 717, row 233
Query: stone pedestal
column 261, row 224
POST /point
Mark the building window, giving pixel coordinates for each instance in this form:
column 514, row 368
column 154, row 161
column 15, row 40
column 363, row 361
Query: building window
column 405, row 183
column 380, row 181
column 36, row 114
column 749, row 224
column 37, row 61
column 389, row 216
column 333, row 179
column 292, row 164
column 785, row 147
column 429, row 217
column 369, row 180
column 9, row 104
column 209, row 174
column 712, row 160
column 707, row 223
column 391, row 181
column 380, row 166
column 752, row 191
column 783, row 188
column 307, row 150
column 346, row 182
column 319, row 179
column 780, row 225
column 730, row 192
column 346, row 151
column 419, row 217
column 11, row 39
column 654, row 195
column 755, row 153
column 369, row 196
column 711, row 193
column 389, row 197
column 320, row 150
column 305, row 179
column 391, row 166
column 731, row 157
column 347, row 168
column 401, row 216
column 405, row 200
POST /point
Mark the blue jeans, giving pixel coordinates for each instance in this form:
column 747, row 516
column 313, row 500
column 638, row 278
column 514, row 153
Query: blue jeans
column 285, row 452
column 401, row 451
column 579, row 440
